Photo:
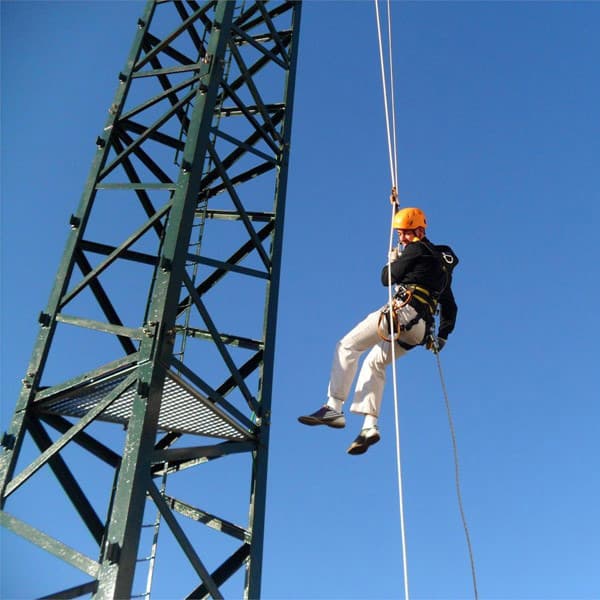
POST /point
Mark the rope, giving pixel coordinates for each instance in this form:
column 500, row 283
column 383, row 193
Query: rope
column 392, row 88
column 392, row 154
column 397, row 424
column 393, row 163
column 393, row 160
column 457, row 474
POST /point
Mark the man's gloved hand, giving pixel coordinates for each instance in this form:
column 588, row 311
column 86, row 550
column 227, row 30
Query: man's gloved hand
column 441, row 342
column 393, row 255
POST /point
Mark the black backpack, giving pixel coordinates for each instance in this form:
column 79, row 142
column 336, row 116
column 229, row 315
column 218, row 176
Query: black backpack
column 446, row 258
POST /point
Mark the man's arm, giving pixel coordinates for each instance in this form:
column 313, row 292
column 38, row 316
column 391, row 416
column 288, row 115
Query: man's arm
column 448, row 312
column 402, row 265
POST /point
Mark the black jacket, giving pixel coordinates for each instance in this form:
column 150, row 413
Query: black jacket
column 429, row 266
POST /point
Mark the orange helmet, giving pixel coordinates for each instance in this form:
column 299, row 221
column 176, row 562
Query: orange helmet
column 410, row 218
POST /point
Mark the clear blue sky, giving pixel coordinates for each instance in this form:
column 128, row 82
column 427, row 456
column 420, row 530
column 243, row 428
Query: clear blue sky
column 499, row 142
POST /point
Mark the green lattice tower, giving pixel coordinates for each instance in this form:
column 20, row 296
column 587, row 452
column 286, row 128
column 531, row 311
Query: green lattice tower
column 155, row 351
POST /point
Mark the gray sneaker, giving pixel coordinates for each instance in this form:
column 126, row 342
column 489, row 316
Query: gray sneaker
column 367, row 437
column 325, row 416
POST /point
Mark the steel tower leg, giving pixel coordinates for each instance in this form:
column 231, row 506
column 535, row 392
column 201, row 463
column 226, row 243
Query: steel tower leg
column 162, row 318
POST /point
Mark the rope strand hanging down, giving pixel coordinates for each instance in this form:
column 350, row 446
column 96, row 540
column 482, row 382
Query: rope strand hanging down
column 457, row 474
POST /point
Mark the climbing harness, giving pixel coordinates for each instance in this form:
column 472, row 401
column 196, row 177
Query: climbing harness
column 420, row 298
column 389, row 325
column 424, row 299
column 410, row 294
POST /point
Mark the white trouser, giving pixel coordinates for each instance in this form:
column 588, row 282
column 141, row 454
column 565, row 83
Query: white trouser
column 371, row 379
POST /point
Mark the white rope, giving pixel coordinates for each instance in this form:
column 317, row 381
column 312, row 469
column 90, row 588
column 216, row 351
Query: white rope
column 393, row 159
column 392, row 89
column 391, row 151
column 457, row 475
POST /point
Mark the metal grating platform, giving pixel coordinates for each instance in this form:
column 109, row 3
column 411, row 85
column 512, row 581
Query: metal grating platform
column 183, row 410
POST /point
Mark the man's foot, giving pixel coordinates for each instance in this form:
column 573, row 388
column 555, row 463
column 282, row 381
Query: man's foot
column 325, row 416
column 367, row 437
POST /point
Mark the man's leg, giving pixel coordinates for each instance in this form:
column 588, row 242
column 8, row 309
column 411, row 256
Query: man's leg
column 371, row 380
column 345, row 361
column 347, row 353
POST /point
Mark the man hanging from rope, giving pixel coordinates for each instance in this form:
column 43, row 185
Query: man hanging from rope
column 422, row 274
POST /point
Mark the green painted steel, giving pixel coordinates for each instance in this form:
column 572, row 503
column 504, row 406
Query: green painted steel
column 171, row 275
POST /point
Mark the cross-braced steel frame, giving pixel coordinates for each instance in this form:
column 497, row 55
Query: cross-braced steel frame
column 147, row 399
